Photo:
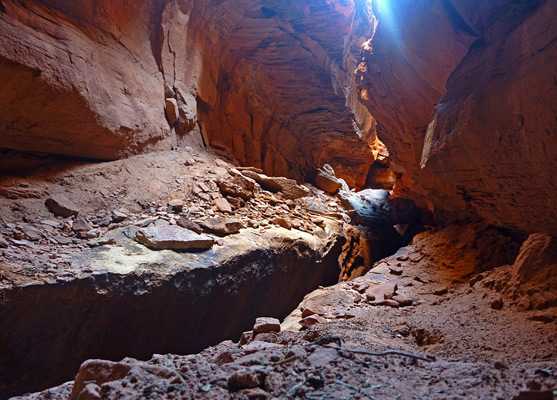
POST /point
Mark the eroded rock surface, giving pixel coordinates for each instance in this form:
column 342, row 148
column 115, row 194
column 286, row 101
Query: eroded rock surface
column 87, row 80
column 461, row 95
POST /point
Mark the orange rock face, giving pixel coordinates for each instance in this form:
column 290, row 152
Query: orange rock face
column 484, row 145
column 268, row 81
column 79, row 79
column 463, row 91
column 277, row 90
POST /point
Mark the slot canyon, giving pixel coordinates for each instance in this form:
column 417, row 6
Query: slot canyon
column 278, row 199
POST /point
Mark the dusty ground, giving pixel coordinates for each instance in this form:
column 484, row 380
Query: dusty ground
column 475, row 324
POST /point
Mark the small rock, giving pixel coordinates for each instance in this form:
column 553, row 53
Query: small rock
column 52, row 223
column 319, row 222
column 312, row 309
column 362, row 287
column 173, row 237
column 236, row 202
column 62, row 240
column 238, row 186
column 499, row 365
column 441, row 291
column 93, row 233
column 392, row 303
column 224, row 357
column 176, row 204
column 255, row 393
column 61, row 206
column 203, row 187
column 395, row 270
column 244, row 379
column 118, row 216
column 312, row 320
column 379, row 293
column 223, row 205
column 403, row 301
column 282, row 221
column 32, row 233
column 225, row 226
column 81, row 226
column 3, row 242
column 100, row 242
column 288, row 187
column 105, row 221
column 296, row 224
column 326, row 180
column 246, row 337
column 189, row 224
column 145, row 222
column 266, row 324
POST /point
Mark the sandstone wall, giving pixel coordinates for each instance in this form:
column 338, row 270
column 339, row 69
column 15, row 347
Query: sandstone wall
column 268, row 81
column 79, row 78
column 465, row 97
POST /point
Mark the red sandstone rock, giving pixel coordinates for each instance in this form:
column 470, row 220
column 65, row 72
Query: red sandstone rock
column 224, row 226
column 327, row 180
column 61, row 206
column 223, row 205
column 266, row 324
column 497, row 112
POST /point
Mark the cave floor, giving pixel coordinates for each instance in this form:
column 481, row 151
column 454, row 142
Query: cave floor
column 464, row 333
column 462, row 337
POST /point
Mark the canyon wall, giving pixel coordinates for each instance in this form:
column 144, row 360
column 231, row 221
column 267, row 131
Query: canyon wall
column 485, row 143
column 464, row 92
column 269, row 82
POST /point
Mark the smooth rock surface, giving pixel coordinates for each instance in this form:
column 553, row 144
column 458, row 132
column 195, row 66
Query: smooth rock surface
column 225, row 226
column 173, row 238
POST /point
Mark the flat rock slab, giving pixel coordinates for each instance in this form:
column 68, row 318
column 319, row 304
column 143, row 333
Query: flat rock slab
column 288, row 187
column 266, row 324
column 223, row 226
column 173, row 237
column 382, row 292
column 61, row 206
